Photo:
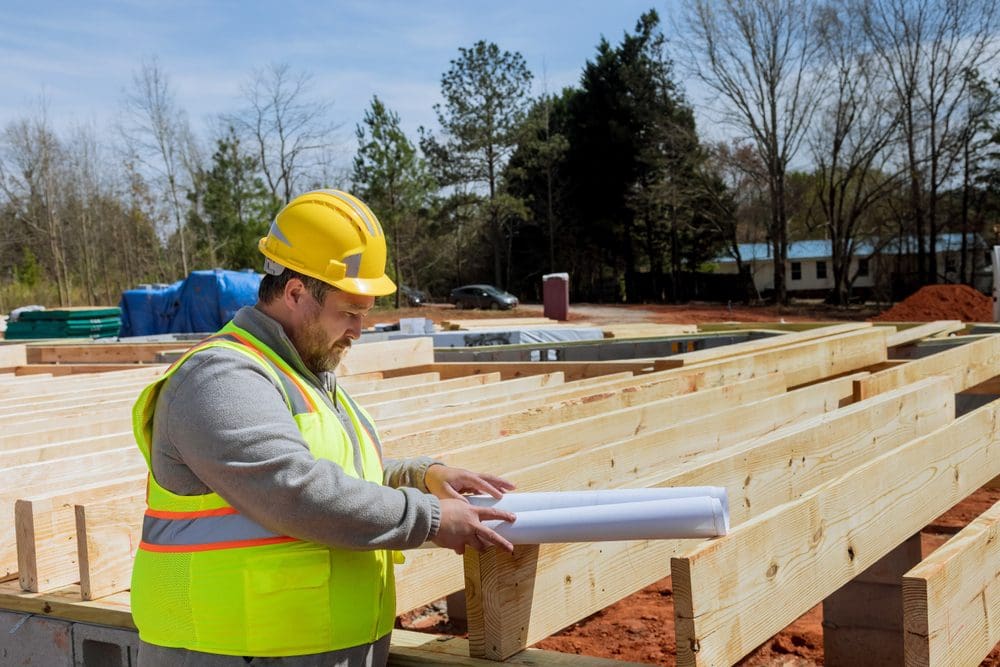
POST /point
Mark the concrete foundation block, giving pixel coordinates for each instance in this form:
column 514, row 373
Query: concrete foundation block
column 34, row 640
column 863, row 620
column 101, row 646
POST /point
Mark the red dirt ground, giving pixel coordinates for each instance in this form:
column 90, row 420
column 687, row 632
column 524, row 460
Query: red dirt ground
column 640, row 628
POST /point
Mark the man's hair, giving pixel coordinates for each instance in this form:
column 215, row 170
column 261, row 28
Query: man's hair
column 273, row 286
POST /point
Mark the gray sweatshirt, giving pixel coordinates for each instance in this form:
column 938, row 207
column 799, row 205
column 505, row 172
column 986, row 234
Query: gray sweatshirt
column 222, row 425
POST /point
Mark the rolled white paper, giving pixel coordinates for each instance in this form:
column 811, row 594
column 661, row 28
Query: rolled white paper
column 672, row 518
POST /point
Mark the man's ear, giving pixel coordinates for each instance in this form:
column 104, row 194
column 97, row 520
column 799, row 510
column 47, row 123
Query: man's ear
column 295, row 291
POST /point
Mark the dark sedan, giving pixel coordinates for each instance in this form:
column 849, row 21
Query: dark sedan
column 482, row 296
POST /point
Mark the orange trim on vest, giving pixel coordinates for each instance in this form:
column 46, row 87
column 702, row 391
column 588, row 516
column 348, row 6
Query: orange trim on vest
column 162, row 514
column 235, row 544
column 290, row 376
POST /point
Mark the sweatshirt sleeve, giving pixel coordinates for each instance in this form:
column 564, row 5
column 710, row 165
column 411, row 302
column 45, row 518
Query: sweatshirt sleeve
column 221, row 424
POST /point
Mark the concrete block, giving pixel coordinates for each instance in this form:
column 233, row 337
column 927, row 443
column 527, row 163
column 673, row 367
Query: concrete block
column 102, row 646
column 863, row 620
column 34, row 640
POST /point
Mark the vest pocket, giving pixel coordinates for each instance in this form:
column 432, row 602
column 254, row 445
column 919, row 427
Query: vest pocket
column 288, row 602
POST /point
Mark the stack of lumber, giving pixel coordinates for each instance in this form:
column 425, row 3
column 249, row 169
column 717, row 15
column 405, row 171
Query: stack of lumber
column 82, row 322
column 833, row 453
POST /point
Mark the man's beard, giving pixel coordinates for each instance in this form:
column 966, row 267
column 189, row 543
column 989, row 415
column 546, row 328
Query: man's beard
column 318, row 353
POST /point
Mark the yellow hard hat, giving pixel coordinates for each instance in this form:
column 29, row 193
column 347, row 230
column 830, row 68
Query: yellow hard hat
column 331, row 236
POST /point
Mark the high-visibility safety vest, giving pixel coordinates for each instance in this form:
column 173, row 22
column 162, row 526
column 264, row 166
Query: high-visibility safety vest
column 207, row 578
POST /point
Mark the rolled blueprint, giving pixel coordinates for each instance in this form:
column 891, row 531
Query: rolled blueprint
column 626, row 514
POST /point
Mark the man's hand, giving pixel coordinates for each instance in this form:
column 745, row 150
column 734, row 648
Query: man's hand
column 446, row 482
column 462, row 526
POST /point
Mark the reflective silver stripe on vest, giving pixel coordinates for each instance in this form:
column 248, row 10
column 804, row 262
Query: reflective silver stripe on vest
column 203, row 530
column 298, row 402
column 368, row 426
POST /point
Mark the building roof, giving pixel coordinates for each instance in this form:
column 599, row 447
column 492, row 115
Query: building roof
column 823, row 248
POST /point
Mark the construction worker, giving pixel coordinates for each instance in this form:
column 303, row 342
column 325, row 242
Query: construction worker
column 273, row 522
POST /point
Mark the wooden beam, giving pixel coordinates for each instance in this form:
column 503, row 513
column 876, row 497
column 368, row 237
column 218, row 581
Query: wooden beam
column 951, row 601
column 926, row 330
column 90, row 353
column 388, row 355
column 397, row 426
column 571, row 370
column 801, row 363
column 21, row 407
column 79, row 417
column 597, row 401
column 62, row 431
column 32, row 385
column 37, row 531
column 13, row 355
column 65, row 603
column 359, row 386
column 967, row 366
column 664, row 425
column 734, row 592
column 384, row 395
column 107, row 534
column 562, row 583
column 492, row 392
column 769, row 343
column 52, row 451
column 409, row 649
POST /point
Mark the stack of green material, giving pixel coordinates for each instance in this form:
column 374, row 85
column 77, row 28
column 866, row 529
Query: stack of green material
column 66, row 323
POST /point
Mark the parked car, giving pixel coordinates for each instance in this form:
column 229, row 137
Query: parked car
column 482, row 296
column 412, row 297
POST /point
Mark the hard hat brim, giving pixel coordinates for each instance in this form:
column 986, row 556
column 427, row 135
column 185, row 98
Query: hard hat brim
column 382, row 286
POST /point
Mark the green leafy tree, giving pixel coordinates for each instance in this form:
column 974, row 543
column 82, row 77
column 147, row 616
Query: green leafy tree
column 236, row 207
column 395, row 181
column 634, row 158
column 486, row 95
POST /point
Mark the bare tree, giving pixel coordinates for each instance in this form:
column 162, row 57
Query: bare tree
column 289, row 126
column 758, row 56
column 851, row 142
column 157, row 134
column 31, row 178
column 927, row 49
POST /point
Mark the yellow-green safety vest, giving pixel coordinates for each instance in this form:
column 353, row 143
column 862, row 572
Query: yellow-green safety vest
column 207, row 578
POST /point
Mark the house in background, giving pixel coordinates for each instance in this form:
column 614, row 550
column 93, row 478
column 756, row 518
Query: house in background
column 881, row 271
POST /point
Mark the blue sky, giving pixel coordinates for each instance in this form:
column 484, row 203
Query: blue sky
column 80, row 56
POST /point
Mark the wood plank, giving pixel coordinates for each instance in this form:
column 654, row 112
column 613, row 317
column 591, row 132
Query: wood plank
column 13, row 355
column 398, row 426
column 952, row 598
column 561, row 583
column 357, row 386
column 108, row 533
column 967, row 366
column 66, row 370
column 671, row 425
column 65, row 603
column 734, row 592
column 31, row 385
column 90, row 353
column 571, row 370
column 384, row 395
column 926, row 330
column 369, row 357
column 79, row 417
column 409, row 649
column 603, row 399
column 492, row 392
column 801, row 363
column 45, row 526
column 21, row 407
column 51, row 451
column 769, row 343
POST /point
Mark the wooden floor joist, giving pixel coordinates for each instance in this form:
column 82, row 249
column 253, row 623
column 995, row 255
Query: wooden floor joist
column 108, row 532
column 514, row 601
column 571, row 370
column 951, row 600
column 801, row 363
column 921, row 331
column 386, row 356
column 735, row 592
column 968, row 365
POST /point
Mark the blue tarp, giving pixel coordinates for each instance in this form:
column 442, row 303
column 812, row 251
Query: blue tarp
column 201, row 303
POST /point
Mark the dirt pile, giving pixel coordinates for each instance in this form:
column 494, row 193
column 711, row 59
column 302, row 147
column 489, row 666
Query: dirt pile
column 941, row 302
